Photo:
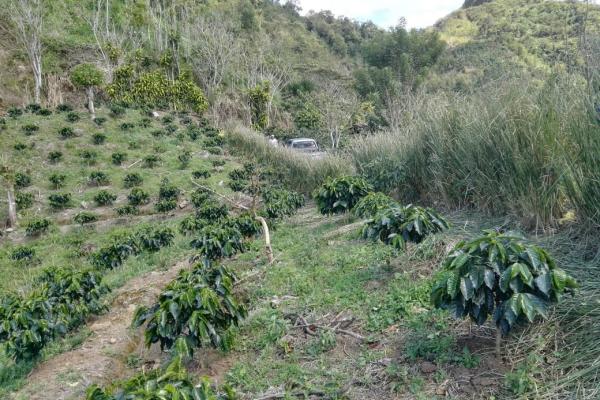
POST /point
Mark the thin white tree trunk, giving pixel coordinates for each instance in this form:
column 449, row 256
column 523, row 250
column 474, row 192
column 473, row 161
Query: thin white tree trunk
column 90, row 96
column 12, row 207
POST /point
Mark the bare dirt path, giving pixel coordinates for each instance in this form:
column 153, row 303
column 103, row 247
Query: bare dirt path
column 103, row 357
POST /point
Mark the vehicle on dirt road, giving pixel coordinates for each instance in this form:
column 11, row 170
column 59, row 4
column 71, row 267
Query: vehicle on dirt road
column 305, row 145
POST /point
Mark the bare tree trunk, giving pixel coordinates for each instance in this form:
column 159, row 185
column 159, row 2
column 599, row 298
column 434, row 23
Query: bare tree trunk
column 12, row 207
column 90, row 96
column 268, row 247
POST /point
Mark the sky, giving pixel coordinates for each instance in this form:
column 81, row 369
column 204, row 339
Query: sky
column 385, row 13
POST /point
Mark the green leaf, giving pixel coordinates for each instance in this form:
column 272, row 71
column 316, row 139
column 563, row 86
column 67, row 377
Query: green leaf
column 489, row 278
column 466, row 288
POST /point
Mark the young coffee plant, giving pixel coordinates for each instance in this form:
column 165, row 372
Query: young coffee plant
column 371, row 204
column 145, row 123
column 116, row 111
column 55, row 156
column 22, row 180
column 201, row 173
column 165, row 205
column 89, row 157
column 199, row 307
column 64, row 108
column 158, row 133
column 98, row 138
column 339, row 195
column 57, row 180
column 66, row 132
column 33, row 108
column 20, row 146
column 59, row 201
column 127, row 210
column 44, row 112
column 118, row 158
column 218, row 163
column 22, row 253
column 184, row 159
column 127, row 126
column 98, row 178
column 14, row 112
column 23, row 200
column 279, row 203
column 168, row 191
column 114, row 254
column 192, row 224
column 138, row 197
column 499, row 275
column 153, row 239
column 99, row 121
column 151, row 161
column 132, row 180
column 37, row 226
column 199, row 197
column 72, row 117
column 85, row 217
column 217, row 241
column 173, row 383
column 398, row 225
column 212, row 211
column 104, row 198
column 30, row 129
column 246, row 224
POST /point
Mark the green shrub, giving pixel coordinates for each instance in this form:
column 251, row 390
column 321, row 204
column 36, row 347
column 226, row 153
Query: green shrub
column 24, row 200
column 66, row 132
column 126, row 126
column 211, row 210
column 117, row 158
column 138, row 197
column 501, row 276
column 339, row 195
column 185, row 120
column 22, row 180
column 32, row 108
column 205, row 318
column 170, row 129
column 114, row 254
column 55, row 156
column 215, row 151
column 145, row 123
column 279, row 203
column 215, row 242
column 246, row 223
column 44, row 112
column 397, row 225
column 104, row 198
column 14, row 112
column 116, row 111
column 167, row 119
column 57, row 180
column 22, row 253
column 20, row 146
column 201, row 173
column 88, row 156
column 98, row 178
column 64, row 108
column 85, row 217
column 153, row 239
column 99, row 121
column 191, row 224
column 59, row 200
column 165, row 205
column 193, row 133
column 218, row 163
column 37, row 226
column 168, row 191
column 151, row 161
column 199, row 197
column 158, row 133
column 371, row 204
column 30, row 129
column 127, row 209
column 215, row 141
column 72, row 117
column 184, row 158
column 132, row 180
column 98, row 138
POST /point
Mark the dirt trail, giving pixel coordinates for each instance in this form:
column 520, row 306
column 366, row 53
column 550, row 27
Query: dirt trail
column 103, row 356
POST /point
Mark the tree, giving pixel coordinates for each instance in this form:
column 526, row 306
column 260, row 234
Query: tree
column 87, row 76
column 27, row 16
column 337, row 105
column 7, row 175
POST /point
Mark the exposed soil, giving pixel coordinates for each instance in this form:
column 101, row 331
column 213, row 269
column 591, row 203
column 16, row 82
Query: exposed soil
column 103, row 356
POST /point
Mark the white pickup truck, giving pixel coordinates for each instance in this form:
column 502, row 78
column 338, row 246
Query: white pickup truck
column 305, row 145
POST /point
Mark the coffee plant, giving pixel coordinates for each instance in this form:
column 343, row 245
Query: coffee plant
column 165, row 205
column 57, row 180
column 279, row 203
column 153, row 239
column 201, row 173
column 217, row 241
column 98, row 138
column 98, row 178
column 22, row 180
column 89, row 157
column 218, row 163
column 104, row 198
column 199, row 306
column 151, row 161
column 132, row 180
column 23, row 200
column 145, row 123
column 116, row 110
column 168, row 191
column 184, row 159
column 398, row 225
column 212, row 210
column 371, row 204
column 30, row 129
column 126, row 126
column 85, row 217
column 59, row 201
column 199, row 197
column 44, row 112
column 499, row 275
column 72, row 117
column 138, row 197
column 114, row 254
column 66, row 132
column 20, row 146
column 118, row 158
column 246, row 223
column 126, row 210
column 33, row 108
column 22, row 253
column 64, row 108
column 14, row 112
column 55, row 156
column 37, row 226
column 191, row 224
column 99, row 121
column 216, row 151
column 339, row 195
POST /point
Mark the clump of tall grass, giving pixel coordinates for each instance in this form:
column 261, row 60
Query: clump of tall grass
column 299, row 171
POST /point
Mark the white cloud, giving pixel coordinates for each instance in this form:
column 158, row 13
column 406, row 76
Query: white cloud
column 386, row 13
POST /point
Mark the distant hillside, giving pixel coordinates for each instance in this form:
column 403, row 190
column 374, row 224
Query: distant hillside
column 489, row 40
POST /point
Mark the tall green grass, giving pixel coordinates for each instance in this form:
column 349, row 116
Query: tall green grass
column 530, row 152
column 300, row 171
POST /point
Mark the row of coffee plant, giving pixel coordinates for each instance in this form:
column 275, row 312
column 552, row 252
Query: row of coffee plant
column 61, row 300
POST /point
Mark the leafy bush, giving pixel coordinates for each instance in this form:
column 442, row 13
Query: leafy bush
column 138, row 197
column 85, row 217
column 22, row 180
column 145, row 123
column 218, row 163
column 64, row 108
column 44, row 112
column 172, row 384
column 168, row 191
column 30, row 129
column 114, row 254
column 32, row 108
column 89, row 156
column 201, row 173
column 501, row 276
column 126, row 126
column 338, row 195
column 132, row 180
column 279, row 203
column 19, row 146
column 167, row 119
column 372, row 203
column 66, row 132
column 117, row 158
column 24, row 200
column 199, row 306
column 98, row 178
column 397, row 225
column 153, row 239
column 170, row 129
column 151, row 161
column 191, row 224
column 158, row 133
column 72, row 117
column 14, row 112
column 55, row 156
column 247, row 224
column 184, row 158
column 214, row 141
column 211, row 210
column 116, row 110
column 59, row 200
column 99, row 121
column 127, row 209
column 165, row 205
column 104, row 198
column 215, row 242
column 199, row 197
column 215, row 150
column 37, row 226
column 98, row 138
column 22, row 253
column 57, row 180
